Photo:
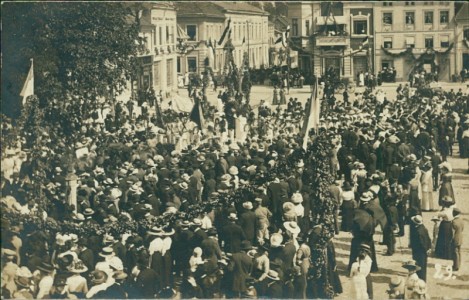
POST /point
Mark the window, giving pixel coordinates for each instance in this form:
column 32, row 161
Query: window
column 156, row 73
column 428, row 18
column 409, row 3
column 444, row 41
column 444, row 16
column 334, row 8
column 410, row 18
column 178, row 64
column 387, row 18
column 169, row 72
column 307, row 27
column 466, row 34
column 386, row 3
column 191, row 31
column 387, row 43
column 385, row 64
column 429, row 42
column 192, row 64
column 428, row 3
column 410, row 42
column 360, row 27
column 294, row 27
column 161, row 35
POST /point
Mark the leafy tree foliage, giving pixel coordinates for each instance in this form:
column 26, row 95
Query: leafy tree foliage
column 81, row 50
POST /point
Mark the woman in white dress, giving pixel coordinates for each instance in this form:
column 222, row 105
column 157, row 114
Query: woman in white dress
column 426, row 181
column 359, row 272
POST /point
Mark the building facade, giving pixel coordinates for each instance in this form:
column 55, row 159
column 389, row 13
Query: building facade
column 328, row 35
column 157, row 61
column 425, row 29
column 461, row 38
column 206, row 21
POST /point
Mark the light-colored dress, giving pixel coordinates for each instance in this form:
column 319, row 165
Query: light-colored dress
column 426, row 181
column 358, row 273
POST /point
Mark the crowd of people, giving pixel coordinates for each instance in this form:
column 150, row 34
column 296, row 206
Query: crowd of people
column 231, row 213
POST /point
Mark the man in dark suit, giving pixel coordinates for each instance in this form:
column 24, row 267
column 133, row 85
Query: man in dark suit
column 241, row 266
column 335, row 191
column 199, row 236
column 458, row 228
column 247, row 220
column 147, row 282
column 277, row 192
column 86, row 255
column 210, row 245
column 232, row 234
column 421, row 244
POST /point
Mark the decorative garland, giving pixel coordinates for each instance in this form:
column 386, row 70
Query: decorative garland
column 409, row 51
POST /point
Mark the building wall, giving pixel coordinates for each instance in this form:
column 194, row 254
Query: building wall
column 400, row 33
column 158, row 62
column 460, row 46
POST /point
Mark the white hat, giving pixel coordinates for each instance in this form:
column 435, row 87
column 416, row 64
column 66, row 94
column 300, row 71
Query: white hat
column 233, row 170
column 297, row 198
column 247, row 205
column 276, row 240
column 292, row 227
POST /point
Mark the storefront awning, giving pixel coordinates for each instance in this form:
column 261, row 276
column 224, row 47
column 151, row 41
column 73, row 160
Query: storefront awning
column 339, row 20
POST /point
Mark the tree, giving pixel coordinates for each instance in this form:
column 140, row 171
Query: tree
column 82, row 51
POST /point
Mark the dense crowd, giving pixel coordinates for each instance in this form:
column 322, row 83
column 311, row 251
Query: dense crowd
column 232, row 211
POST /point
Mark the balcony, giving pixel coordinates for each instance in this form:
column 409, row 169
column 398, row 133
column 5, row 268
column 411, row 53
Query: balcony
column 331, row 40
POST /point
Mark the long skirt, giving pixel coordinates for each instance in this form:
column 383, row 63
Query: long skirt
column 443, row 247
column 347, row 215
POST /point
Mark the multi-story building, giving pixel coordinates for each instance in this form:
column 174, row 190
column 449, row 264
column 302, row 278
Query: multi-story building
column 461, row 38
column 426, row 27
column 277, row 25
column 158, row 59
column 326, row 34
column 204, row 21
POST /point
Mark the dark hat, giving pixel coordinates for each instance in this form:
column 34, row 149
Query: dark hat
column 411, row 265
column 365, row 247
column 346, row 186
column 212, row 232
column 246, row 245
column 23, row 282
column 46, row 267
column 456, row 212
column 60, row 281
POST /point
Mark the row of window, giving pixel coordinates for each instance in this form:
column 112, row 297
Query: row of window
column 410, row 42
column 239, row 31
column 412, row 3
column 410, row 18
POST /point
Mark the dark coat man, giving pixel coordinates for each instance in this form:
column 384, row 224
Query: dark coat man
column 420, row 244
column 277, row 192
column 232, row 234
column 147, row 283
column 241, row 265
column 211, row 247
column 458, row 228
column 247, row 220
column 199, row 237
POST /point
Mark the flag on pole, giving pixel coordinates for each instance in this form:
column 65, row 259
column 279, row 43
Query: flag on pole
column 197, row 115
column 225, row 32
column 283, row 38
column 243, row 45
column 28, row 87
column 364, row 42
column 211, row 54
column 312, row 114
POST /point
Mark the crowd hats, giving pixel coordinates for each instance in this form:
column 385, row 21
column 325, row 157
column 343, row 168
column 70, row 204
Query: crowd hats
column 45, row 267
column 107, row 252
column 272, row 274
column 276, row 240
column 157, row 231
column 417, row 219
column 78, row 267
column 233, row 217
column 411, row 265
column 248, row 205
column 246, row 245
column 292, row 227
column 366, row 197
column 98, row 277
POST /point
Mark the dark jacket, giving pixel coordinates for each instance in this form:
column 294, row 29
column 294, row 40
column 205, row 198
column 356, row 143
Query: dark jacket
column 241, row 266
column 232, row 234
column 247, row 221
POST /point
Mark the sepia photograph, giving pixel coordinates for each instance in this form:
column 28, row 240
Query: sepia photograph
column 234, row 150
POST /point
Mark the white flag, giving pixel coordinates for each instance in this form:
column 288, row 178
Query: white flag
column 28, row 87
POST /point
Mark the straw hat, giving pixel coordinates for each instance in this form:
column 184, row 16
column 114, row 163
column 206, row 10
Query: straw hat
column 233, row 217
column 158, row 231
column 233, row 170
column 297, row 198
column 292, row 227
column 248, row 205
column 78, row 267
column 273, row 275
column 98, row 277
column 417, row 219
column 276, row 240
column 365, row 197
column 411, row 265
column 106, row 252
column 88, row 212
